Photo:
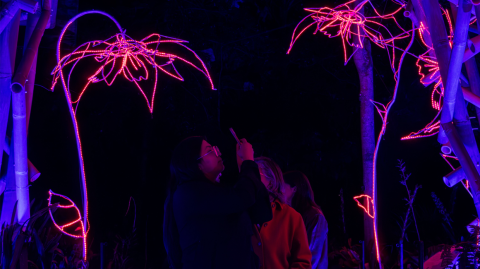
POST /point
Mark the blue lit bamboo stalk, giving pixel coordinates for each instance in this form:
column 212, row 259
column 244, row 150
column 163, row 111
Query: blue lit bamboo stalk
column 459, row 132
column 452, row 74
column 8, row 49
column 19, row 114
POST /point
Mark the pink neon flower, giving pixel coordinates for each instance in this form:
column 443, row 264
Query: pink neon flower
column 352, row 26
column 429, row 72
column 122, row 55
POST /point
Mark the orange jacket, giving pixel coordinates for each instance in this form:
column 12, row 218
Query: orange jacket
column 282, row 242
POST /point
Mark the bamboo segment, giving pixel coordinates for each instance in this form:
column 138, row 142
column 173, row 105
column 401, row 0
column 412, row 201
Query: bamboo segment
column 6, row 76
column 32, row 21
column 18, row 82
column 8, row 49
column 20, row 156
column 454, row 177
column 463, row 156
column 11, row 8
column 456, row 59
column 19, row 116
column 33, row 172
column 459, row 135
column 471, row 97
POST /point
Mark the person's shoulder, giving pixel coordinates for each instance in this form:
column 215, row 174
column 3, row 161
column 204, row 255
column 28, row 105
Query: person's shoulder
column 290, row 211
column 314, row 211
column 313, row 214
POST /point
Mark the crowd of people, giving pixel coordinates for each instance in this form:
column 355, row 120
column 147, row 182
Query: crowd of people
column 267, row 220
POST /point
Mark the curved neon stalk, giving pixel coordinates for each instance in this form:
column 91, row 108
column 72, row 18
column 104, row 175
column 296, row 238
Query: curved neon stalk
column 75, row 124
column 384, row 115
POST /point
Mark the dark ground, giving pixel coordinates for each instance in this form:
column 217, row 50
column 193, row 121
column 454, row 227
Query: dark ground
column 301, row 109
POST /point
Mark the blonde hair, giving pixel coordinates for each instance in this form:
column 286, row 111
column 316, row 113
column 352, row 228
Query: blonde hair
column 274, row 175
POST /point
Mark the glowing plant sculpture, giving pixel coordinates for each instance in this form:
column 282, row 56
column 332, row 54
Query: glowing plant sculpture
column 122, row 55
column 353, row 27
column 117, row 55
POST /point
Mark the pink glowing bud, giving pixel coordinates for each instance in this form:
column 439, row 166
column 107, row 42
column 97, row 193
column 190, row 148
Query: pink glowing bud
column 74, row 228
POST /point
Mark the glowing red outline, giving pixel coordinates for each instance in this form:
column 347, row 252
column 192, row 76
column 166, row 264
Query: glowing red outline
column 346, row 18
column 369, row 200
column 62, row 227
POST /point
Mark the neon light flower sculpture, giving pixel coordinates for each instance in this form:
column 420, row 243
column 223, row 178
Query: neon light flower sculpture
column 122, row 55
column 352, row 27
column 118, row 55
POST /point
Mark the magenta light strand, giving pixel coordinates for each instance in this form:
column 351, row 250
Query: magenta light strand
column 384, row 116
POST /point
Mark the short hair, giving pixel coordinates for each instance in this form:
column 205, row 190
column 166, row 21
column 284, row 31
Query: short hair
column 273, row 173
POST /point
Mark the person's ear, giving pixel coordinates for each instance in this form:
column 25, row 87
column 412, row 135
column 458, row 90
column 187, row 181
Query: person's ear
column 294, row 189
column 200, row 166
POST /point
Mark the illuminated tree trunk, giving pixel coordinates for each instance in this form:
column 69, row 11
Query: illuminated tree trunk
column 8, row 49
column 364, row 64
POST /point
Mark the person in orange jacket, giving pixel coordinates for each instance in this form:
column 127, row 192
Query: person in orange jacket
column 299, row 195
column 281, row 242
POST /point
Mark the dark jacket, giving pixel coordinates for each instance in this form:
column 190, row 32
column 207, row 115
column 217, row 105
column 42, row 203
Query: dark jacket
column 213, row 223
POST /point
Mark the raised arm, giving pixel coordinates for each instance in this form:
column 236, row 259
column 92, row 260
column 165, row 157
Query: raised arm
column 206, row 198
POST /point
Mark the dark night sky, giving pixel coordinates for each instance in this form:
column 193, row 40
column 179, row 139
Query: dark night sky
column 301, row 109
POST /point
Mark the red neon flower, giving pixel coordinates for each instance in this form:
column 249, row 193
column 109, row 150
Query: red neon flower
column 121, row 54
column 352, row 26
